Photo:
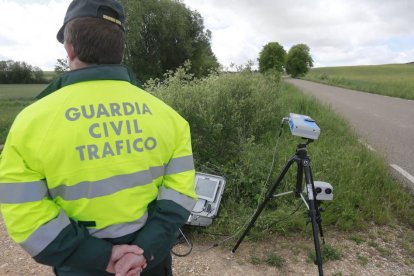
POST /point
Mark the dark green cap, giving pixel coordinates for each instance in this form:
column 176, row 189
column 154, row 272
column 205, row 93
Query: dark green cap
column 110, row 10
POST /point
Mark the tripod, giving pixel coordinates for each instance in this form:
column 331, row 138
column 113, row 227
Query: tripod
column 302, row 160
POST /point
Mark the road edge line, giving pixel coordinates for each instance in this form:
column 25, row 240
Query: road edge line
column 403, row 172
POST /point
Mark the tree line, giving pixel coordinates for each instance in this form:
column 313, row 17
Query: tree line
column 296, row 62
column 20, row 72
column 161, row 36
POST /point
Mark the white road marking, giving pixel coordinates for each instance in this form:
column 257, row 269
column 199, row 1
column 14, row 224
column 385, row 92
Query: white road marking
column 403, row 172
column 394, row 166
column 366, row 145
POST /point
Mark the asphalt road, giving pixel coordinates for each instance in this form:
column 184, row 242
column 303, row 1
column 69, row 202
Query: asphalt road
column 385, row 124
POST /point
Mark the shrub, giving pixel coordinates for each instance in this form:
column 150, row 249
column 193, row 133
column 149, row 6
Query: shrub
column 234, row 120
column 230, row 116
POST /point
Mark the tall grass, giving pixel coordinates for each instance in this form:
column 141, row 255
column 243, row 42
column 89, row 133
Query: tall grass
column 396, row 80
column 234, row 121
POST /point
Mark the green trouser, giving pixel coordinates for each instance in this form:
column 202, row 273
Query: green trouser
column 163, row 269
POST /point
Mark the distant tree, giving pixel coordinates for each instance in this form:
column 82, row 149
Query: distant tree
column 20, row 72
column 298, row 60
column 38, row 75
column 4, row 71
column 61, row 65
column 272, row 57
column 162, row 35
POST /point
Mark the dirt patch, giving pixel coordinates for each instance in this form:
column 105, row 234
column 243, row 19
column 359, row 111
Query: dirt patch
column 386, row 250
column 379, row 251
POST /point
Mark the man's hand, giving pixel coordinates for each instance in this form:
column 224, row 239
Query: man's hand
column 118, row 251
column 130, row 265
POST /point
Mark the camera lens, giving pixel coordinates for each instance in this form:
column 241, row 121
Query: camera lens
column 328, row 191
column 318, row 190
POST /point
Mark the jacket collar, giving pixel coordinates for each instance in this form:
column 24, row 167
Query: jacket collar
column 93, row 72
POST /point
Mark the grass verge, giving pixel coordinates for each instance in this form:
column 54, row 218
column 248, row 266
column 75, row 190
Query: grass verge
column 235, row 119
column 395, row 80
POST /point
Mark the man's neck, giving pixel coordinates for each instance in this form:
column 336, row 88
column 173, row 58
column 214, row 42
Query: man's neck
column 77, row 64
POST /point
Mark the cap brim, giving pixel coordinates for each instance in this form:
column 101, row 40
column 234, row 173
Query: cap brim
column 59, row 35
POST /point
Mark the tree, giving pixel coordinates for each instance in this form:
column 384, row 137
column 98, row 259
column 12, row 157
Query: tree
column 162, row 35
column 272, row 56
column 298, row 60
column 20, row 72
column 61, row 65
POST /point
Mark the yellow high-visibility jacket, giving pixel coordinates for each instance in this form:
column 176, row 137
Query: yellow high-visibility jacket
column 97, row 162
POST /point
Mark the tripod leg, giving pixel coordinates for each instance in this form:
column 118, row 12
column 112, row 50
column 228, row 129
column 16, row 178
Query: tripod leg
column 320, row 227
column 318, row 214
column 313, row 213
column 269, row 196
column 299, row 178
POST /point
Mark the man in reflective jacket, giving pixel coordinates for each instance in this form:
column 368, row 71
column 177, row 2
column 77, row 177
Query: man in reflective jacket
column 97, row 177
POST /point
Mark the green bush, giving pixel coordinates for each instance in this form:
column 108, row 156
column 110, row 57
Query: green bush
column 230, row 115
column 234, row 121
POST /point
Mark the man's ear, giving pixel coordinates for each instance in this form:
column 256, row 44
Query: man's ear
column 69, row 50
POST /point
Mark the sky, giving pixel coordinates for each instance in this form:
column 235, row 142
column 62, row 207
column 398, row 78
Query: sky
column 338, row 32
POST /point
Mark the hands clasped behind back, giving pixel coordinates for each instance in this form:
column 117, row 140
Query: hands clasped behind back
column 126, row 260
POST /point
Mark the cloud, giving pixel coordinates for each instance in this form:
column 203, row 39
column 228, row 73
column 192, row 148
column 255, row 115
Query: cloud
column 338, row 32
column 7, row 41
column 29, row 29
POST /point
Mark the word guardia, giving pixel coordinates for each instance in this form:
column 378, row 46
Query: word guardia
column 123, row 123
column 111, row 110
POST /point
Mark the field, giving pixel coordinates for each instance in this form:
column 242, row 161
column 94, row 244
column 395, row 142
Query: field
column 20, row 91
column 13, row 98
column 395, row 80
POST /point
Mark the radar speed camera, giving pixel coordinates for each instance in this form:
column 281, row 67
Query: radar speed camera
column 303, row 126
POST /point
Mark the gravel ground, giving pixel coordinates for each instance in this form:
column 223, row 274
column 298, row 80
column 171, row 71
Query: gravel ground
column 378, row 251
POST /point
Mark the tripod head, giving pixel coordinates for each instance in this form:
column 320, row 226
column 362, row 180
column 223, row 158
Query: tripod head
column 304, row 143
column 302, row 159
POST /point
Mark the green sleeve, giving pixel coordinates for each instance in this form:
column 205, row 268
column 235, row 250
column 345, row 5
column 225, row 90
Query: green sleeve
column 74, row 246
column 159, row 234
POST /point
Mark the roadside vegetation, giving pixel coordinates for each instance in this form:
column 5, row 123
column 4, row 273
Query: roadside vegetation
column 235, row 122
column 395, row 80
